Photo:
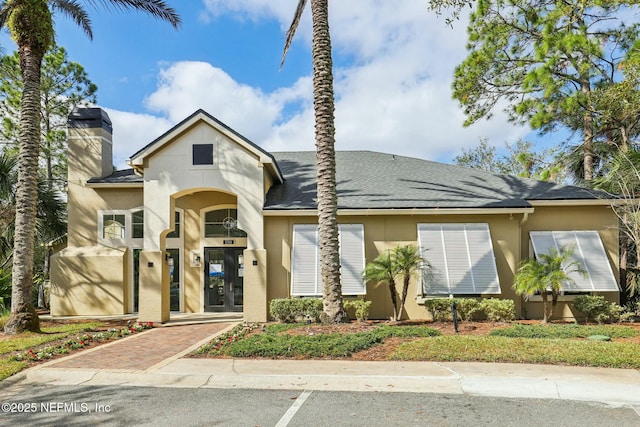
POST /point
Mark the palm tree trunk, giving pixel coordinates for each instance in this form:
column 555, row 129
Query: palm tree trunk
column 23, row 316
column 323, row 103
column 554, row 303
column 403, row 297
column 394, row 300
column 545, row 307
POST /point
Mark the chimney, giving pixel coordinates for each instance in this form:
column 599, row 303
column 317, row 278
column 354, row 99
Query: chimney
column 90, row 150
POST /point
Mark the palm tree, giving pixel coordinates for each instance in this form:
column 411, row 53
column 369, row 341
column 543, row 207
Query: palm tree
column 382, row 270
column 545, row 275
column 30, row 24
column 407, row 261
column 401, row 262
column 323, row 104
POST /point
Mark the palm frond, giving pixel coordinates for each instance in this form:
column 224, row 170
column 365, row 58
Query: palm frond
column 292, row 29
column 76, row 12
column 156, row 8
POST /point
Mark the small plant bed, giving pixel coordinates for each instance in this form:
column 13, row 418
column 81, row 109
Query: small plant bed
column 301, row 341
column 521, row 342
column 57, row 339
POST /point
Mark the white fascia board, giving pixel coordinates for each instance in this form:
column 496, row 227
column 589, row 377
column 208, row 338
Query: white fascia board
column 411, row 212
column 115, row 185
column 578, row 202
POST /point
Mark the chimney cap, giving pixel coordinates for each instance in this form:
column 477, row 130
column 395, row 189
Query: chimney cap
column 90, row 118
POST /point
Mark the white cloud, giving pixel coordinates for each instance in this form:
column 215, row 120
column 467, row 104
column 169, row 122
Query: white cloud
column 131, row 132
column 392, row 94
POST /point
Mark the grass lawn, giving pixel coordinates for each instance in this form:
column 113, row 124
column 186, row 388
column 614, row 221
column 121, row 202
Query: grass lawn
column 521, row 350
column 9, row 344
column 518, row 343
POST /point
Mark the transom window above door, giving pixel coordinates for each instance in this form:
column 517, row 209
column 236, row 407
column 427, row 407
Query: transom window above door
column 222, row 223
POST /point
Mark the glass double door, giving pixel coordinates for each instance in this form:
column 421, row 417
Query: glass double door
column 223, row 279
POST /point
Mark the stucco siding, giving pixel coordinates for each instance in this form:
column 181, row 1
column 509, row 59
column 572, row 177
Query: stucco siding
column 89, row 281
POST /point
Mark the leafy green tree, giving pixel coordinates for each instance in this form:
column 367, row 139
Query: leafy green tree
column 520, row 160
column 50, row 217
column 402, row 262
column 546, row 275
column 30, row 24
column 64, row 87
column 323, row 105
column 617, row 106
column 623, row 178
column 544, row 58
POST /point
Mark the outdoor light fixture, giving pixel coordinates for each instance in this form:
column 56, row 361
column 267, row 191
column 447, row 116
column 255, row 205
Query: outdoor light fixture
column 169, row 260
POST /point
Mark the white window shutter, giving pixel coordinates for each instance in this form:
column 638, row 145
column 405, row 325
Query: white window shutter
column 431, row 246
column 461, row 257
column 482, row 259
column 588, row 250
column 352, row 259
column 304, row 261
column 306, row 276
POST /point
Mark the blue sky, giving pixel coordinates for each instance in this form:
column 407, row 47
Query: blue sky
column 393, row 64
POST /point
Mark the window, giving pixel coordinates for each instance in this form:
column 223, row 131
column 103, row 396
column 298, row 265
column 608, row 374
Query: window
column 461, row 257
column 113, row 226
column 306, row 277
column 137, row 224
column 175, row 234
column 222, row 223
column 203, row 154
column 588, row 250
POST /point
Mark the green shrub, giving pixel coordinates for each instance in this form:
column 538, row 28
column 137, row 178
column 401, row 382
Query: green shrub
column 591, row 306
column 361, row 308
column 311, row 307
column 282, row 309
column 498, row 309
column 289, row 310
column 468, row 308
column 439, row 308
column 595, row 307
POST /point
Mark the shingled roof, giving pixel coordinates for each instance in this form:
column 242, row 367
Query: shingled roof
column 371, row 180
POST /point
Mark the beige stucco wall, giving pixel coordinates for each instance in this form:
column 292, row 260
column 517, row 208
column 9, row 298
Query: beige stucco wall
column 509, row 235
column 90, row 280
column 90, row 157
column 193, row 205
column 381, row 233
column 169, row 174
column 572, row 218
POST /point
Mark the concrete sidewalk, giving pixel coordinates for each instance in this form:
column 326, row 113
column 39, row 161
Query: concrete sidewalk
column 610, row 386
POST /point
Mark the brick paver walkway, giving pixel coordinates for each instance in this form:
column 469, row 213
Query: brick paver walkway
column 144, row 350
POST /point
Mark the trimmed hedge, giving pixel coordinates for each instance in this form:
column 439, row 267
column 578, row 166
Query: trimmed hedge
column 360, row 307
column 290, row 310
column 493, row 309
column 595, row 307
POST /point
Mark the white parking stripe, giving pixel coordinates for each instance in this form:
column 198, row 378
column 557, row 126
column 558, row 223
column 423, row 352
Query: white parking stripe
column 284, row 421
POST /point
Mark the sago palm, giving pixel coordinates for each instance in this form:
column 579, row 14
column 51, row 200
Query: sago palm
column 408, row 262
column 382, row 270
column 546, row 275
column 31, row 26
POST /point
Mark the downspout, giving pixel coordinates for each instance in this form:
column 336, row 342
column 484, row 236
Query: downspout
column 525, row 218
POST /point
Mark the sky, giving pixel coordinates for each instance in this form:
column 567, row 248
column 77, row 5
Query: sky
column 393, row 68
